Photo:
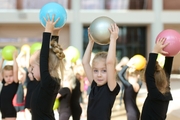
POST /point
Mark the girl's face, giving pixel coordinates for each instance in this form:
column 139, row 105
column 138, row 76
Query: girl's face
column 34, row 66
column 8, row 76
column 35, row 70
column 99, row 72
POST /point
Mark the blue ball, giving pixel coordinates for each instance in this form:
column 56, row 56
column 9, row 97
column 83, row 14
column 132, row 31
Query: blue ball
column 53, row 8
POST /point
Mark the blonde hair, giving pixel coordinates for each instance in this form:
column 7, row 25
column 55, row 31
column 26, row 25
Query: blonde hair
column 56, row 60
column 100, row 55
column 70, row 77
column 132, row 72
column 160, row 79
column 7, row 68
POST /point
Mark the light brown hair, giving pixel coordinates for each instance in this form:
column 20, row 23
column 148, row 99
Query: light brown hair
column 7, row 68
column 56, row 60
column 160, row 79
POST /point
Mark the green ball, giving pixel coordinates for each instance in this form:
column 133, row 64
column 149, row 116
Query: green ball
column 74, row 52
column 34, row 47
column 56, row 104
column 7, row 52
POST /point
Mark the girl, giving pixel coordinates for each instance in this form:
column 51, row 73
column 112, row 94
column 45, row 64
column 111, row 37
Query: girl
column 102, row 77
column 132, row 86
column 45, row 65
column 64, row 95
column 157, row 81
column 76, row 92
column 9, row 78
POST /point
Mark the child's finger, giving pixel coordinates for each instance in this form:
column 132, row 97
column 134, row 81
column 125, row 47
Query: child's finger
column 164, row 52
column 48, row 17
column 45, row 19
column 53, row 17
column 164, row 45
column 57, row 20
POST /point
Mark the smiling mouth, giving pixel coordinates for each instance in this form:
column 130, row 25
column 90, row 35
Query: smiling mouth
column 99, row 80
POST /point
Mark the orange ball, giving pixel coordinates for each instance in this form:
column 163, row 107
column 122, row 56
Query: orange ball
column 139, row 61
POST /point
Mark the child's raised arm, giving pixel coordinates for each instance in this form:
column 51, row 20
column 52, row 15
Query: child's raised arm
column 87, row 57
column 15, row 67
column 111, row 57
column 1, row 70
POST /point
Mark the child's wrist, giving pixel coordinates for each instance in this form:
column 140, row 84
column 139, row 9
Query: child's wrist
column 154, row 51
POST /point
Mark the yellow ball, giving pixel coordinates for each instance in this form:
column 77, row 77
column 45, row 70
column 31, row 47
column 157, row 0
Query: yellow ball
column 139, row 61
column 56, row 104
column 25, row 48
column 72, row 54
column 161, row 59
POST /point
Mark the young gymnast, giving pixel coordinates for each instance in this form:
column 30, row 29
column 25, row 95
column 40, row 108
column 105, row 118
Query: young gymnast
column 64, row 95
column 158, row 85
column 76, row 108
column 130, row 79
column 102, row 77
column 9, row 78
column 119, row 66
column 46, row 65
column 31, row 85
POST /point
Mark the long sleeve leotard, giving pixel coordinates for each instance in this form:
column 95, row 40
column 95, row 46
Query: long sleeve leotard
column 156, row 104
column 130, row 96
column 44, row 95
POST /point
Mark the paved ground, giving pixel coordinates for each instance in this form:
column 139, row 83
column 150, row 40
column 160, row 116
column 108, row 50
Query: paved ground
column 174, row 106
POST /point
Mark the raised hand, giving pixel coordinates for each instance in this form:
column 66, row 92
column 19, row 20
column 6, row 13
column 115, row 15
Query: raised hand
column 160, row 44
column 114, row 30
column 50, row 24
column 90, row 36
column 15, row 54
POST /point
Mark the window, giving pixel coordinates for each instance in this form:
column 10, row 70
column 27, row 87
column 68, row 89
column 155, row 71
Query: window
column 131, row 41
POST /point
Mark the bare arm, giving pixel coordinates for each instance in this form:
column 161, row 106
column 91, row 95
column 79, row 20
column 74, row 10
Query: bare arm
column 15, row 67
column 23, row 73
column 27, row 58
column 87, row 57
column 58, row 96
column 1, row 70
column 111, row 57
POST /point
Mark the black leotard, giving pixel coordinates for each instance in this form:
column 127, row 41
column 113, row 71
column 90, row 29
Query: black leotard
column 43, row 97
column 75, row 104
column 101, row 101
column 156, row 104
column 6, row 97
column 130, row 96
column 64, row 109
column 31, row 85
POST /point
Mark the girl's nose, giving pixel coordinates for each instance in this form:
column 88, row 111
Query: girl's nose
column 99, row 73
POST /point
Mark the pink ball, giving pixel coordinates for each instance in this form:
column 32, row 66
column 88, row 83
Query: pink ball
column 173, row 38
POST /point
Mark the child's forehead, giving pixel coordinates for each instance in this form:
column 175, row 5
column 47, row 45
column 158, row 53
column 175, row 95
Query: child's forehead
column 99, row 59
column 7, row 72
column 99, row 64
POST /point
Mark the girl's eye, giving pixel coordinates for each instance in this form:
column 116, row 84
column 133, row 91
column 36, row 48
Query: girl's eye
column 104, row 71
column 95, row 71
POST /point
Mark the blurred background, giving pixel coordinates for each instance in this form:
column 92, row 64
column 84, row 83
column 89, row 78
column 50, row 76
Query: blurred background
column 139, row 21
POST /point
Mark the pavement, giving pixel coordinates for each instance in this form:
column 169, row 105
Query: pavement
column 173, row 113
